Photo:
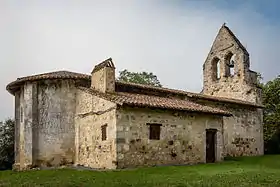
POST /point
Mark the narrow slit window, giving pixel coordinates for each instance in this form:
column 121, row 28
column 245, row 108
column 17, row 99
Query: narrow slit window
column 104, row 132
column 21, row 114
column 154, row 131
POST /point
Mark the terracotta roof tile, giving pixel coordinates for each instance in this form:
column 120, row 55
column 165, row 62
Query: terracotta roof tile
column 73, row 75
column 50, row 75
column 156, row 102
column 55, row 75
column 190, row 94
column 105, row 63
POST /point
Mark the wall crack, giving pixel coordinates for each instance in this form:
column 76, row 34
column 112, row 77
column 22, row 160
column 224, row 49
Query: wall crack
column 96, row 113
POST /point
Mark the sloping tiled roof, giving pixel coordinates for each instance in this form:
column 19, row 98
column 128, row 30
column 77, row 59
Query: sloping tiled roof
column 106, row 63
column 191, row 94
column 45, row 76
column 142, row 100
column 80, row 76
column 56, row 75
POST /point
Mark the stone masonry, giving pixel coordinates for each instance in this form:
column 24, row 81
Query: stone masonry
column 226, row 70
column 92, row 113
column 67, row 118
column 182, row 137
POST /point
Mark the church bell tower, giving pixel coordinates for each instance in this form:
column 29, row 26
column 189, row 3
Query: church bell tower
column 226, row 70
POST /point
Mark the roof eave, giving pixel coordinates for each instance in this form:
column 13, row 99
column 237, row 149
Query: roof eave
column 227, row 114
column 188, row 94
column 12, row 87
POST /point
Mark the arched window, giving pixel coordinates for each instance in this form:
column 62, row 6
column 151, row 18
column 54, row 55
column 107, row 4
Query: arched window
column 230, row 64
column 216, row 64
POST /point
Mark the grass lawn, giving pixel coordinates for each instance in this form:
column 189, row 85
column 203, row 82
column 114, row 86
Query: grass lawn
column 245, row 171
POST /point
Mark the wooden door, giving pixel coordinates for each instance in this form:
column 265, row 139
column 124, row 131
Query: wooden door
column 211, row 145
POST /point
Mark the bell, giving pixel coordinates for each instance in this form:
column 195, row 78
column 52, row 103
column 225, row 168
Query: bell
column 231, row 64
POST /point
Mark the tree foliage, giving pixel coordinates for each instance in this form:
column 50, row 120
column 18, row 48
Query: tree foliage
column 147, row 78
column 271, row 101
column 7, row 144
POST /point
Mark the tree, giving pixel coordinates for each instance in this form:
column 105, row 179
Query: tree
column 271, row 101
column 7, row 144
column 139, row 77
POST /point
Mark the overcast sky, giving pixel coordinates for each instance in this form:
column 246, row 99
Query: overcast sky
column 169, row 38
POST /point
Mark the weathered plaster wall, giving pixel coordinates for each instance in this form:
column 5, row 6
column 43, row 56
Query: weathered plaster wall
column 55, row 132
column 91, row 113
column 45, row 124
column 17, row 128
column 182, row 138
column 21, row 130
column 28, row 109
column 24, row 111
column 18, row 135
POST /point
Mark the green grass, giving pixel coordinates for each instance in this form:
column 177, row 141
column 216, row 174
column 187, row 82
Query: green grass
column 245, row 171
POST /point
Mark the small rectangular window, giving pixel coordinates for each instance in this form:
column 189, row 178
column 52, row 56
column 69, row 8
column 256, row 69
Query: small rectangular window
column 104, row 132
column 154, row 131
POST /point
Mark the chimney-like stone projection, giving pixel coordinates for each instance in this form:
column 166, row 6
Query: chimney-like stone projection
column 103, row 76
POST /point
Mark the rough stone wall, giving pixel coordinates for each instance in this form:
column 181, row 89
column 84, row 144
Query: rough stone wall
column 110, row 79
column 182, row 138
column 103, row 80
column 91, row 113
column 243, row 132
column 241, row 85
column 98, row 80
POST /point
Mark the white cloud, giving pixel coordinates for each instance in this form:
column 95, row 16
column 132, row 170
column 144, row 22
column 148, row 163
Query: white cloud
column 167, row 38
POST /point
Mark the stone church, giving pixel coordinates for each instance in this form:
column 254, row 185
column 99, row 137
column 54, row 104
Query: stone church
column 67, row 118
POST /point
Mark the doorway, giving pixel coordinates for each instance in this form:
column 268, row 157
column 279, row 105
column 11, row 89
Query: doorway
column 211, row 145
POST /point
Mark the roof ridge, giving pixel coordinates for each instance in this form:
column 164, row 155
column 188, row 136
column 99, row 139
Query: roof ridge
column 106, row 63
column 53, row 73
column 152, row 87
column 12, row 86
